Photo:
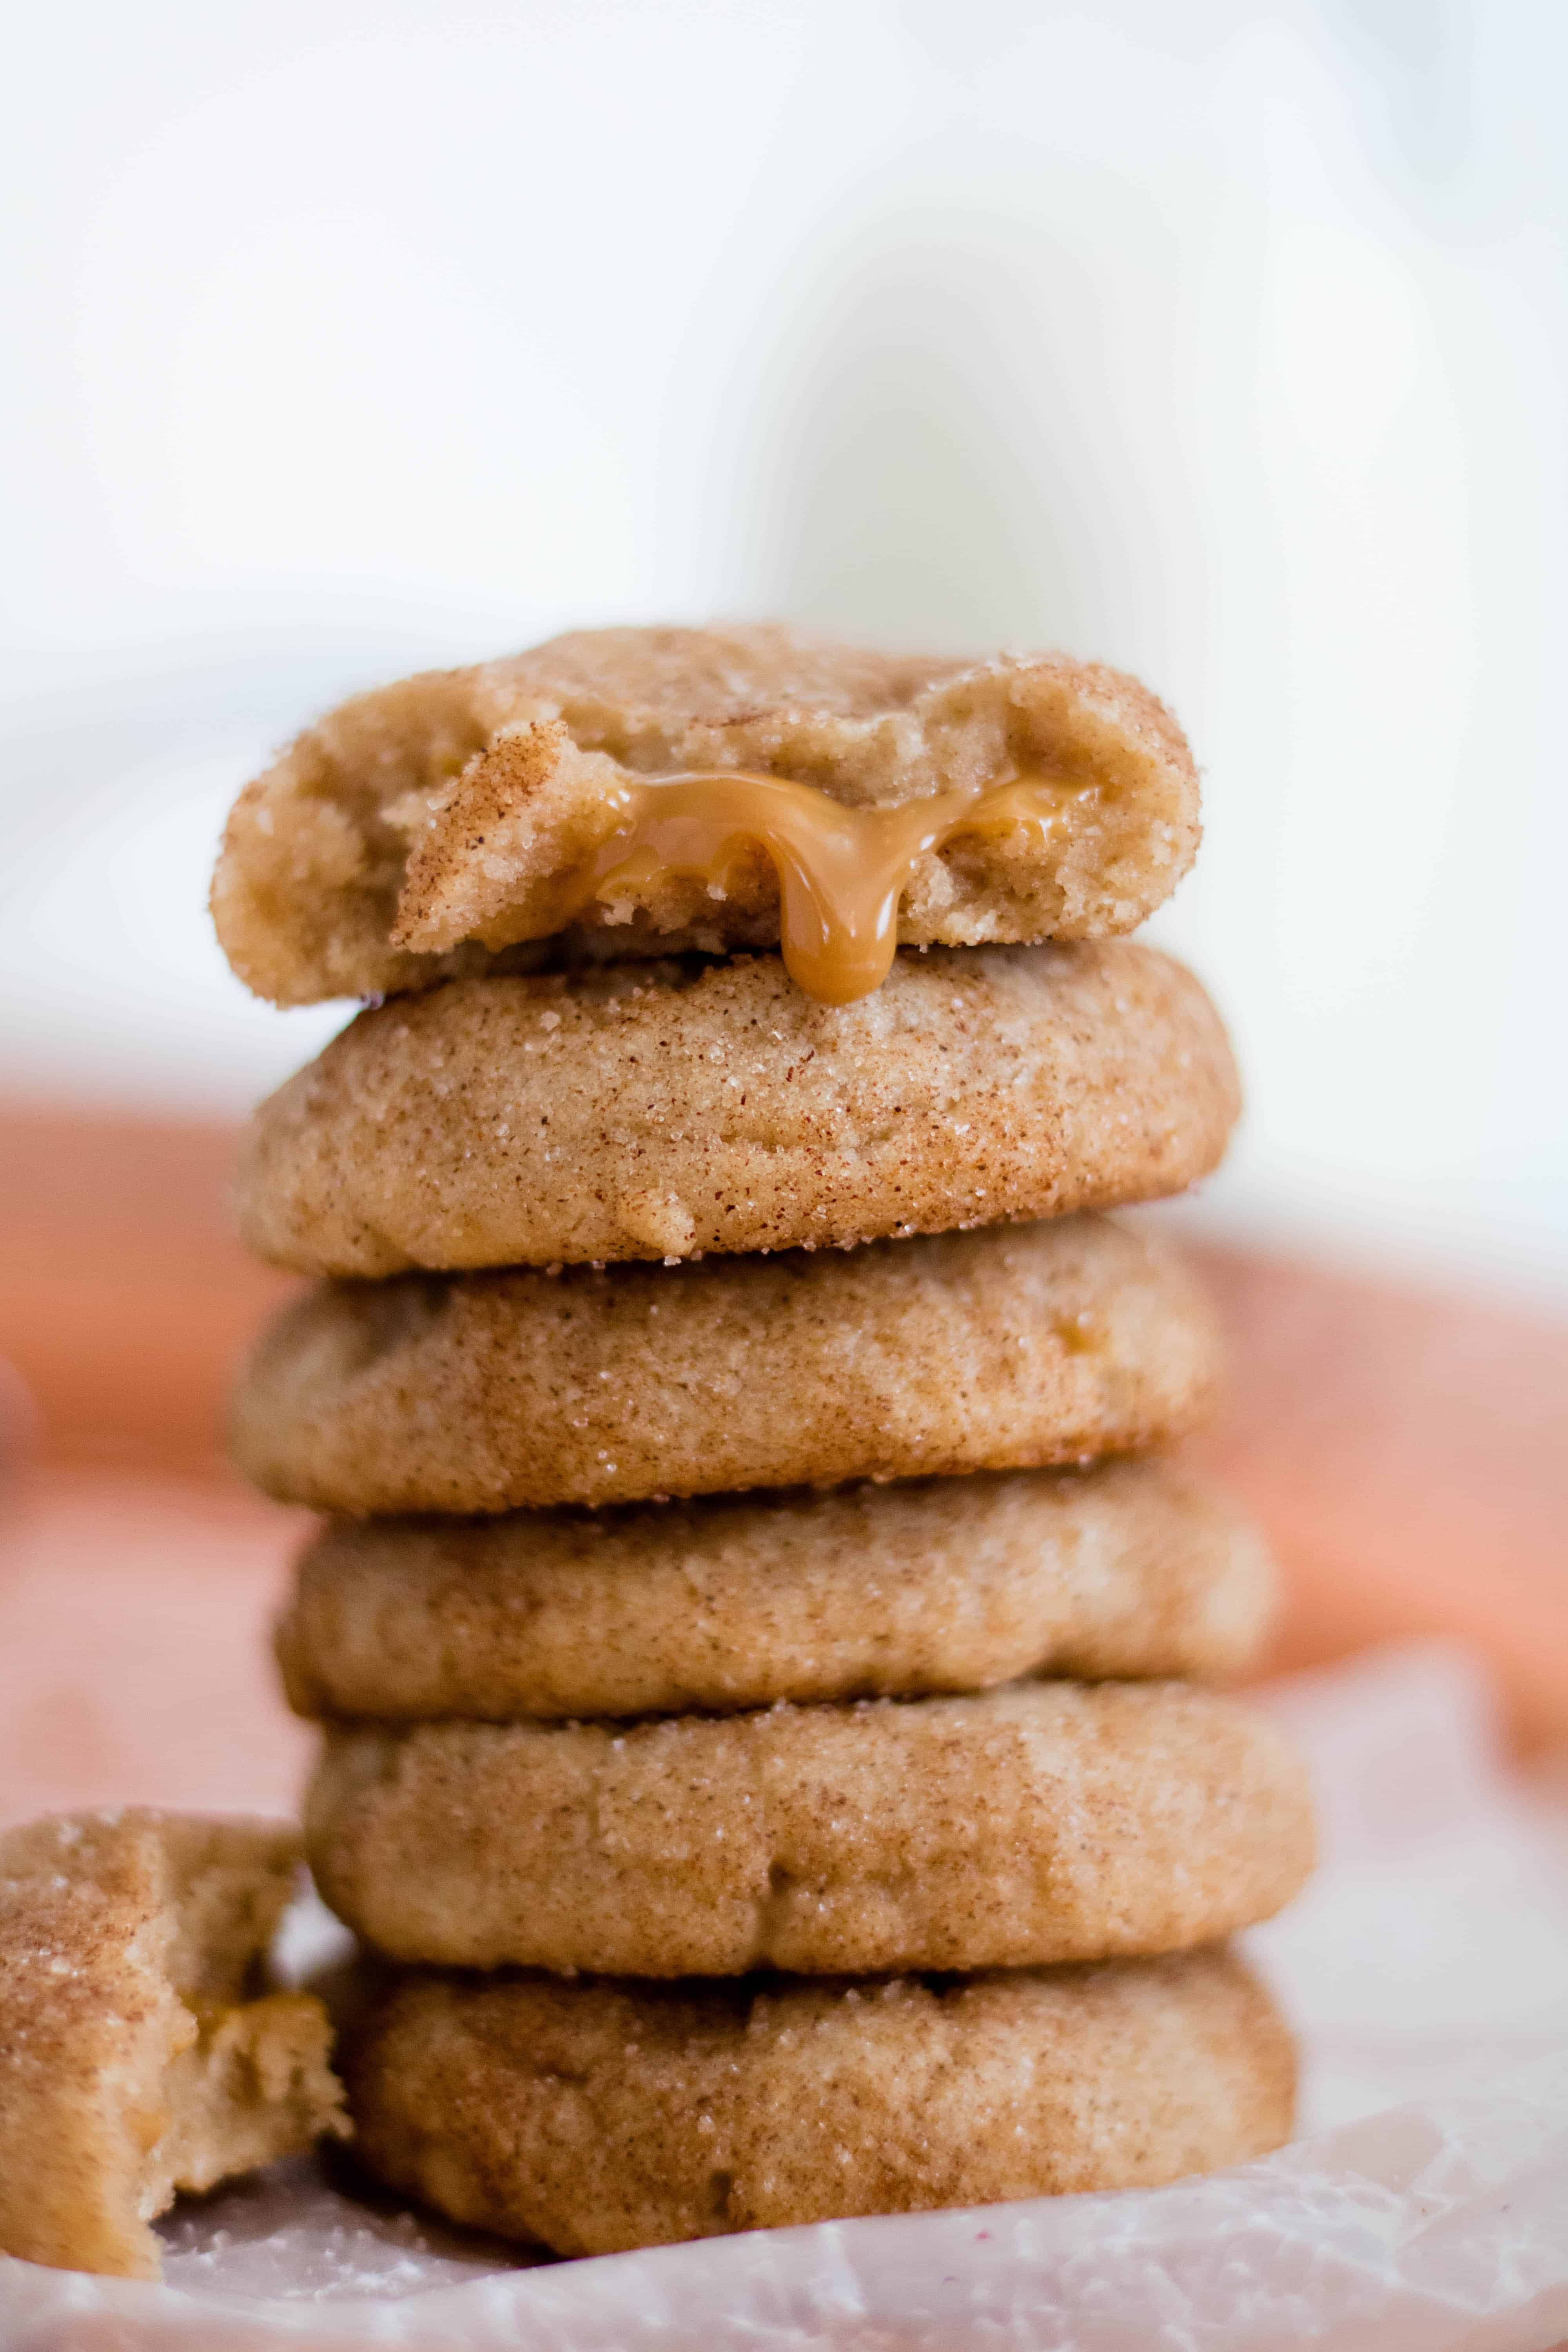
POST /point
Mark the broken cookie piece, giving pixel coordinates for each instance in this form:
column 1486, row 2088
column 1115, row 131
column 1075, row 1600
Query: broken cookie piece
column 139, row 2052
column 634, row 792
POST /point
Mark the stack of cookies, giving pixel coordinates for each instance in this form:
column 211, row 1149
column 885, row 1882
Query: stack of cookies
column 762, row 1648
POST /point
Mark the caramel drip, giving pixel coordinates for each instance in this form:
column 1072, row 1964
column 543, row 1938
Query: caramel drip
column 842, row 871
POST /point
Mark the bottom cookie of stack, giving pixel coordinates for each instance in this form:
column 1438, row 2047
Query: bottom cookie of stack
column 594, row 2117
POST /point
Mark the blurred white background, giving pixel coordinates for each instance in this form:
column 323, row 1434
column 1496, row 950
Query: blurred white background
column 1228, row 341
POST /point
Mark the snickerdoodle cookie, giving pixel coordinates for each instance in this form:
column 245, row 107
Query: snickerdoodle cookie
column 1015, row 1347
column 592, row 2117
column 427, row 829
column 137, row 2058
column 1039, row 1822
column 1131, row 1570
column 642, row 1110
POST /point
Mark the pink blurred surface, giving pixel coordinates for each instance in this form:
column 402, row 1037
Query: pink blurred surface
column 134, row 1661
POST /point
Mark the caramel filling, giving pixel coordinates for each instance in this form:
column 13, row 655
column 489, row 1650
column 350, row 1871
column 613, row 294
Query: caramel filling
column 842, row 871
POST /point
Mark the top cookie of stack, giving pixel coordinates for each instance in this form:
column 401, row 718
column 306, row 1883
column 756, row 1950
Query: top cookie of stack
column 431, row 830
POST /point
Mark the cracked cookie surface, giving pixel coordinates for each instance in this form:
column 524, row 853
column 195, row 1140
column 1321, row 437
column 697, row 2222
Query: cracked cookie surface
column 644, row 1112
column 1018, row 1347
column 1131, row 1569
column 592, row 2117
column 424, row 830
column 1044, row 1821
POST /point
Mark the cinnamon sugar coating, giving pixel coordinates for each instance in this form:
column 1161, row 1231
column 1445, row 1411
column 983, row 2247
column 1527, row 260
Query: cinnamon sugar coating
column 1131, row 1569
column 594, row 2116
column 427, row 829
column 1043, row 1822
column 645, row 1111
column 1015, row 1347
column 137, row 2055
